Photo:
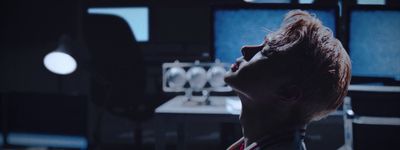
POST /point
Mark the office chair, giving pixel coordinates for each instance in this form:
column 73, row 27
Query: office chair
column 372, row 118
column 117, row 70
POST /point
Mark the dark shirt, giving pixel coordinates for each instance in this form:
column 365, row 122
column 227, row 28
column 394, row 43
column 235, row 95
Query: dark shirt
column 287, row 141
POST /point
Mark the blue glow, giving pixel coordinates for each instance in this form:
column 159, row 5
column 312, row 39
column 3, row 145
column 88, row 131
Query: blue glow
column 1, row 139
column 234, row 28
column 375, row 43
column 267, row 1
column 306, row 1
column 371, row 2
column 41, row 140
column 136, row 17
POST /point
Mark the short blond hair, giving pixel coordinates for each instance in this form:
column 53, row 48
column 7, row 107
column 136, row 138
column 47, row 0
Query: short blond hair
column 322, row 69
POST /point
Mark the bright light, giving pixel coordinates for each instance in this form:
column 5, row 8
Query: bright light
column 371, row 2
column 306, row 1
column 60, row 63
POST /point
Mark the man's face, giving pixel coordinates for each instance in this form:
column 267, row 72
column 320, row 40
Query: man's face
column 255, row 75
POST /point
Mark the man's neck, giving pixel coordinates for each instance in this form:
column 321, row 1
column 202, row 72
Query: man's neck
column 259, row 124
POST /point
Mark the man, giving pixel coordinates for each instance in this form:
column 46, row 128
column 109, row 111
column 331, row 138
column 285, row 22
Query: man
column 299, row 74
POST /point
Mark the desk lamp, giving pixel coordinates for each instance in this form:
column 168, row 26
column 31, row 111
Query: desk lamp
column 60, row 61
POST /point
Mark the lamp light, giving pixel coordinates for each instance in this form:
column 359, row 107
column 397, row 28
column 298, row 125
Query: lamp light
column 60, row 61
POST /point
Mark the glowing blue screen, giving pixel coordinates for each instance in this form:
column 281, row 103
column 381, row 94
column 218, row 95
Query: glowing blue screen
column 375, row 43
column 234, row 28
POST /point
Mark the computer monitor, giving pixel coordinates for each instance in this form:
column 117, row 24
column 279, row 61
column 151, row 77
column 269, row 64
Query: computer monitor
column 235, row 26
column 136, row 17
column 374, row 42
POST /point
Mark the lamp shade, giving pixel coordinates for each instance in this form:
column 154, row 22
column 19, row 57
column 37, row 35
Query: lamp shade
column 60, row 61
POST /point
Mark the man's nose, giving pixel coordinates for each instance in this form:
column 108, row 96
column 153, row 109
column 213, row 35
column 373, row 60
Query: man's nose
column 248, row 51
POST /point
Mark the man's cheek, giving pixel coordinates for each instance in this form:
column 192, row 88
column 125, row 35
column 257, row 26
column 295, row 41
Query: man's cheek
column 248, row 73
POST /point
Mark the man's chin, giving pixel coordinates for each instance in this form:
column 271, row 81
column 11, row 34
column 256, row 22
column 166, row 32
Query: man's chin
column 229, row 78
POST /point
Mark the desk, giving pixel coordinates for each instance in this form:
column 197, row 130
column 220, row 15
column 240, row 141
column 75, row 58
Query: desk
column 223, row 109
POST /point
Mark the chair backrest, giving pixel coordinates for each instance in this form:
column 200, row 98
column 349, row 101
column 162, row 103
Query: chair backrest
column 118, row 71
column 372, row 118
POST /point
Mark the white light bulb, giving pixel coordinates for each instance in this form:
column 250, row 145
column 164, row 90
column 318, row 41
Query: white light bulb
column 197, row 77
column 176, row 78
column 216, row 76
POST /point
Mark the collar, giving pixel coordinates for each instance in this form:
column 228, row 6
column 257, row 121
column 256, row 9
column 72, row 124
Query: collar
column 267, row 141
column 240, row 145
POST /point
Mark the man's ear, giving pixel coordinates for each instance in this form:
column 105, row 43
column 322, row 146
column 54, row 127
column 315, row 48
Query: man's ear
column 290, row 93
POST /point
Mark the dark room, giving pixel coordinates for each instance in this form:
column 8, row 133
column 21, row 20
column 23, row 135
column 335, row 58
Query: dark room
column 200, row 75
